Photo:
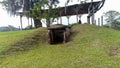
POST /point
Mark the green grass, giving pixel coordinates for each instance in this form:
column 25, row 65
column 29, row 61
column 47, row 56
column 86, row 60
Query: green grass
column 9, row 38
column 90, row 47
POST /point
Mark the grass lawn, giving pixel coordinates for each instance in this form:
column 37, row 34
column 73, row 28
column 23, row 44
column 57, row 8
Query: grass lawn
column 90, row 47
column 9, row 38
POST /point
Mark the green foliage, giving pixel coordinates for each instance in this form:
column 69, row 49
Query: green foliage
column 106, row 25
column 42, row 9
column 12, row 5
column 112, row 17
column 117, row 26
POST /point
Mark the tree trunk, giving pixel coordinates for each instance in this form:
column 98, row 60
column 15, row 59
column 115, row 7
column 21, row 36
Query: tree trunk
column 28, row 21
column 111, row 25
column 21, row 22
column 88, row 19
column 37, row 23
column 48, row 23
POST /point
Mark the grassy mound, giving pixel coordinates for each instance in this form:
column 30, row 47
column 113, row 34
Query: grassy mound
column 27, row 42
column 90, row 47
column 9, row 38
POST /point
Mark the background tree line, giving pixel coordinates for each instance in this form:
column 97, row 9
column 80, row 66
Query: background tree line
column 112, row 17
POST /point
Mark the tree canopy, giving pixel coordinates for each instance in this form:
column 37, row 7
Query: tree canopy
column 47, row 5
column 112, row 17
column 33, row 7
column 12, row 5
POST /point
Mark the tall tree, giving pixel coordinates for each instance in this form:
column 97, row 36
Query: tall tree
column 44, row 9
column 27, row 5
column 112, row 17
column 12, row 5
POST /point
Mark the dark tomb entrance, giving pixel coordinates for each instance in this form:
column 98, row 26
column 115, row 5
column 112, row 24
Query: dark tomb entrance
column 58, row 34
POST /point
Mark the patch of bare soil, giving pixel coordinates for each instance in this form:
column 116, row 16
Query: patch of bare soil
column 114, row 51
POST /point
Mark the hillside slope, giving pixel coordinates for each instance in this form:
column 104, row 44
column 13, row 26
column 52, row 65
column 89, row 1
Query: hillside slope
column 90, row 47
column 9, row 38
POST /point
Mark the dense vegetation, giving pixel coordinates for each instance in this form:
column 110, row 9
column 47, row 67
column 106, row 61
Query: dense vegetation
column 90, row 46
